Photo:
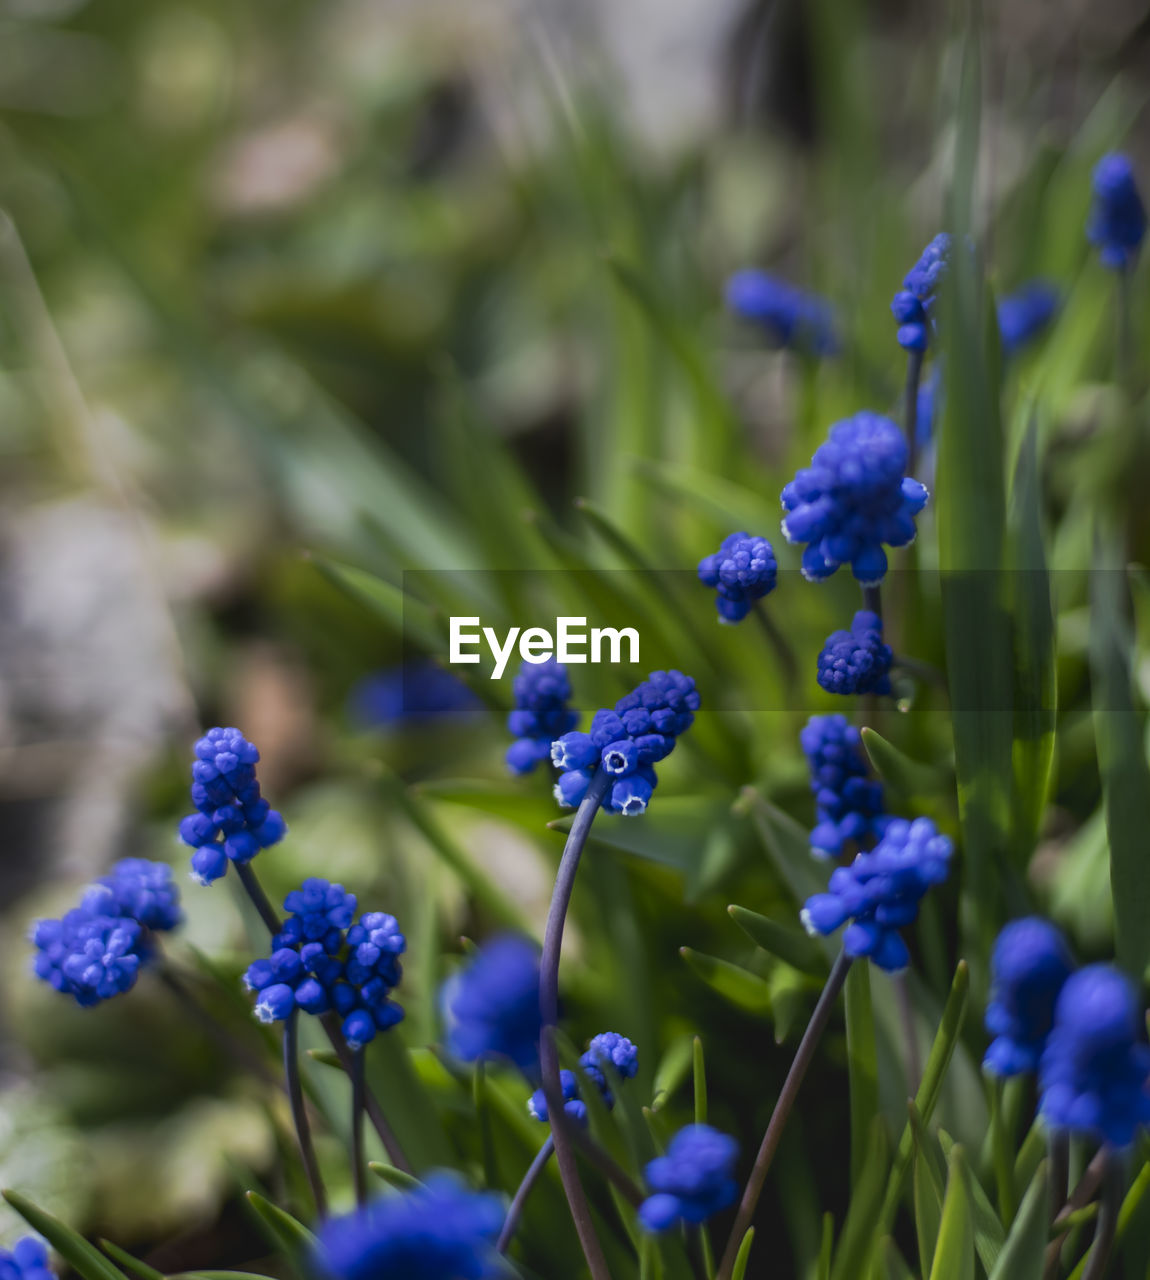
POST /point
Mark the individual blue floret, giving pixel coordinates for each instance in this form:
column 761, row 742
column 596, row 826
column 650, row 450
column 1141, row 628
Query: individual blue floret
column 541, row 714
column 440, row 1230
column 742, row 571
column 848, row 802
column 913, row 305
column 693, row 1181
column 232, row 822
column 1025, row 313
column 1029, row 966
column 1117, row 221
column 626, row 742
column 1095, row 1069
column 788, row 316
column 491, row 1006
column 879, row 893
column 854, row 497
column 856, row 661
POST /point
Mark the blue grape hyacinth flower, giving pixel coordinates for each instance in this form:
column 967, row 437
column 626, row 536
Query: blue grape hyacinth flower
column 742, row 571
column 853, row 498
column 412, row 694
column 1117, row 222
column 323, row 960
column 787, row 315
column 441, row 1230
column 693, row 1181
column 856, row 661
column 848, row 802
column 1094, row 1074
column 26, row 1260
column 913, row 305
column 542, row 691
column 1029, row 966
column 1025, row 313
column 627, row 742
column 96, row 950
column 879, row 893
column 609, row 1047
column 491, row 1006
column 232, row 822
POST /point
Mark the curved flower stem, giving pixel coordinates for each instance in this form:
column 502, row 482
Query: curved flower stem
column 515, row 1209
column 788, row 663
column 910, row 408
column 549, row 1011
column 328, row 1021
column 1109, row 1205
column 299, row 1112
column 358, row 1089
column 783, row 1106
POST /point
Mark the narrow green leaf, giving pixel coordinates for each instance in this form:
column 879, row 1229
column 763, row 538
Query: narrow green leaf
column 1029, row 1158
column 1024, row 1252
column 394, row 1177
column 69, row 1244
column 405, row 616
column 1126, row 1215
column 927, row 1210
column 859, row 1241
column 989, row 1235
column 743, row 1256
column 298, row 1242
column 826, row 1248
column 731, row 981
column 862, row 1064
column 954, row 1256
column 896, row 1268
column 130, row 1263
column 1119, row 734
column 787, row 845
column 789, row 944
column 700, row 1078
column 913, row 780
column 673, row 1068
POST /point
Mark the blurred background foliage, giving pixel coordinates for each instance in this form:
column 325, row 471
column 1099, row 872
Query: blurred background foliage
column 298, row 299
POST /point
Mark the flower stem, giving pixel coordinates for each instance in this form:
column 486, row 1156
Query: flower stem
column 1109, row 1206
column 910, row 408
column 299, row 1112
column 549, row 1011
column 358, row 1089
column 788, row 663
column 783, row 1107
column 519, row 1200
column 260, row 900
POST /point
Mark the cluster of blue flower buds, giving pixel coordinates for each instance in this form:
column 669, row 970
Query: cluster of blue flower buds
column 856, row 661
column 1117, row 222
column 627, row 742
column 848, row 802
column 440, row 1230
column 913, row 305
column 787, row 315
column 854, row 497
column 607, row 1048
column 1028, row 968
column 1023, row 314
column 542, row 691
column 491, row 1005
column 742, row 571
column 96, row 950
column 694, row 1180
column 879, row 893
column 232, row 822
column 321, row 962
column 26, row 1260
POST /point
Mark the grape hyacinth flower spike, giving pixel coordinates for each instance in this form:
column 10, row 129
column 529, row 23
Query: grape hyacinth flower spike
column 693, row 1181
column 491, row 1005
column 26, row 1260
column 542, row 691
column 856, row 661
column 913, row 308
column 848, row 802
column 1029, row 967
column 853, row 498
column 232, row 821
column 788, row 316
column 1117, row 223
column 742, row 571
column 879, row 893
column 1025, row 313
column 440, row 1230
column 97, row 950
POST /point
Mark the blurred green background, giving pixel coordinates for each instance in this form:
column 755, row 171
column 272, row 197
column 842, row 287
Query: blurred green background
column 295, row 298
